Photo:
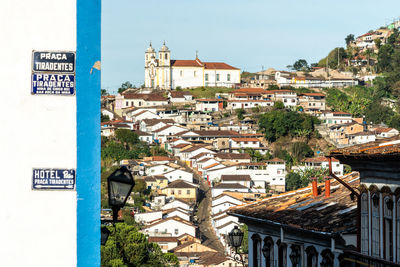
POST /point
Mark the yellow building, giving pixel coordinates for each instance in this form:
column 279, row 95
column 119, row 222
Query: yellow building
column 156, row 182
column 181, row 189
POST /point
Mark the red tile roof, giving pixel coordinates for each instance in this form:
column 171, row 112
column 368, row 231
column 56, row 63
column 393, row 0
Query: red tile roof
column 245, row 139
column 249, row 90
column 298, row 209
column 186, row 63
column 230, row 186
column 146, row 97
column 382, row 130
column 180, row 184
column 385, row 148
column 218, row 66
column 320, row 159
column 163, row 239
column 226, row 177
column 212, row 165
column 209, row 100
column 232, row 156
column 179, row 94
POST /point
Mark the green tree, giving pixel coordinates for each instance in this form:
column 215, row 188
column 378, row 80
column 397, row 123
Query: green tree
column 378, row 43
column 279, row 123
column 301, row 64
column 378, row 113
column 140, row 186
column 301, row 150
column 158, row 151
column 293, row 181
column 126, row 136
column 384, row 58
column 332, row 58
column 240, row 113
column 349, row 38
column 244, row 248
column 394, row 121
column 126, row 85
column 126, row 246
column 103, row 92
column 279, row 105
column 104, row 118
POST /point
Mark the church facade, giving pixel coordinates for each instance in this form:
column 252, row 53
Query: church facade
column 162, row 72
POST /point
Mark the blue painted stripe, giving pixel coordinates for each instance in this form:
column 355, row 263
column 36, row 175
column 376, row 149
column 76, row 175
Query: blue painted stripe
column 88, row 132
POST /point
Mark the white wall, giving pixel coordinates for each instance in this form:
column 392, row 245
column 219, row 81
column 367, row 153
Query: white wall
column 223, row 77
column 146, row 217
column 38, row 227
column 176, row 204
column 169, row 226
column 188, row 78
column 224, row 199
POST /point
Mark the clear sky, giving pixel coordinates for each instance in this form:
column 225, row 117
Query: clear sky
column 246, row 34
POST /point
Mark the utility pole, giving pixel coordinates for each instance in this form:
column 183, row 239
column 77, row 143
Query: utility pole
column 338, row 58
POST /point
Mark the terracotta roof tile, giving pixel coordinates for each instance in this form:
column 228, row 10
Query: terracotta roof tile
column 236, row 156
column 180, row 184
column 388, row 147
column 230, row 186
column 218, row 66
column 299, row 209
column 233, row 177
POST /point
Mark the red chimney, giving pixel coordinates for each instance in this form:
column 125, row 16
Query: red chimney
column 327, row 186
column 314, row 186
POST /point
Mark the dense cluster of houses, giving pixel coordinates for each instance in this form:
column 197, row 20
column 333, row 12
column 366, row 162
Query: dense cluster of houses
column 344, row 130
column 317, row 78
column 242, row 190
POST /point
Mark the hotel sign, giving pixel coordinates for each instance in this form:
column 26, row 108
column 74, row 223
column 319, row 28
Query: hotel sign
column 53, row 179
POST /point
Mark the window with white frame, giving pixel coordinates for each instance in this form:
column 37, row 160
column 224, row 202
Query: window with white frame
column 364, row 224
column 375, row 225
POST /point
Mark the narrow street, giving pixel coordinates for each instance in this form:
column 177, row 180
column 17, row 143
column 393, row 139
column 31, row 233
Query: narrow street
column 207, row 234
column 206, row 231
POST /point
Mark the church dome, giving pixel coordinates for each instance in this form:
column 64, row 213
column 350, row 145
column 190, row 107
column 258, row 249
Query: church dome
column 164, row 48
column 150, row 49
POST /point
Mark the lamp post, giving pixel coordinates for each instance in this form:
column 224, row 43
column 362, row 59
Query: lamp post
column 235, row 238
column 104, row 235
column 120, row 185
column 266, row 251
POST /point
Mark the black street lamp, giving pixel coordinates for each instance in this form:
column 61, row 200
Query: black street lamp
column 266, row 250
column 120, row 185
column 235, row 238
column 104, row 235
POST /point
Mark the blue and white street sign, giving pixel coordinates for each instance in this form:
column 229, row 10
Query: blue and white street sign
column 53, row 61
column 53, row 84
column 55, row 179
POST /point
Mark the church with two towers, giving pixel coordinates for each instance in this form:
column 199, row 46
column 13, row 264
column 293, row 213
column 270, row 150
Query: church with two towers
column 162, row 72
